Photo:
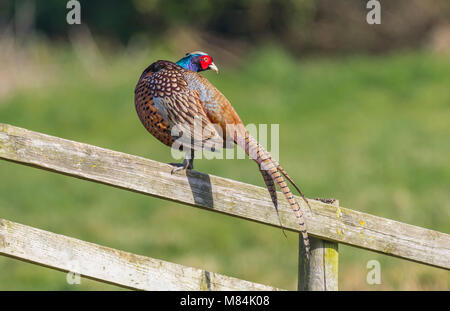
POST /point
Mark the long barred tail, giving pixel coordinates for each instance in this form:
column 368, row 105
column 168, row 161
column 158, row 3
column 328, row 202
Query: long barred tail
column 282, row 171
column 273, row 193
column 269, row 165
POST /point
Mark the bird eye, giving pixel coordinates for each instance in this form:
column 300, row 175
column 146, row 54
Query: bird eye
column 205, row 59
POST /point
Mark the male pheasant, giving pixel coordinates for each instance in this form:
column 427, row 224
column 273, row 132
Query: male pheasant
column 171, row 99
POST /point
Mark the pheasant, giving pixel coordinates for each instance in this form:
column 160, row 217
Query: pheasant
column 173, row 98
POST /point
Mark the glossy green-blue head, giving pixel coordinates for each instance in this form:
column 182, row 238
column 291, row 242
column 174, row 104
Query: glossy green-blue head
column 197, row 61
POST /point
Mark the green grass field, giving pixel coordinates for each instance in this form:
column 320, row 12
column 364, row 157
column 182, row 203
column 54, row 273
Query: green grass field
column 370, row 131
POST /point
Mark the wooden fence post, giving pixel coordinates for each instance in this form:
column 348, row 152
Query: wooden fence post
column 321, row 272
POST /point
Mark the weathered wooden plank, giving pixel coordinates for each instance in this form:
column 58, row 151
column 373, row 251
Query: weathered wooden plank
column 320, row 272
column 107, row 264
column 221, row 195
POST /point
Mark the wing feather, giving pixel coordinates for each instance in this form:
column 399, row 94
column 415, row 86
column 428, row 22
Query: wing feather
column 181, row 108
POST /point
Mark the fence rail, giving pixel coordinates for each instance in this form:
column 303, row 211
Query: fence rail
column 325, row 222
column 109, row 265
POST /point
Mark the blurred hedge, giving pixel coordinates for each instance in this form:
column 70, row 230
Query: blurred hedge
column 300, row 25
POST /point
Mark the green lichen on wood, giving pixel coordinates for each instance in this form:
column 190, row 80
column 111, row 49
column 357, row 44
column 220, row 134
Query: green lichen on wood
column 331, row 258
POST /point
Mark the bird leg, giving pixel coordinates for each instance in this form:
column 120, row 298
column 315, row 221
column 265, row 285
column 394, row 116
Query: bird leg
column 188, row 163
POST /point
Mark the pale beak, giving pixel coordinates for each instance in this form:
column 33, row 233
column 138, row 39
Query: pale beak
column 214, row 67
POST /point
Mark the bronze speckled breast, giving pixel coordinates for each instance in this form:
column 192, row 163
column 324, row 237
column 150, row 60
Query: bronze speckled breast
column 150, row 116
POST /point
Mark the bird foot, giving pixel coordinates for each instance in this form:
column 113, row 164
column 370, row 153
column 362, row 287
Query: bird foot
column 186, row 165
column 178, row 167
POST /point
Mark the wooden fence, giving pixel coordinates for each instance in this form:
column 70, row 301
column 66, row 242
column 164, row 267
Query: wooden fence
column 328, row 223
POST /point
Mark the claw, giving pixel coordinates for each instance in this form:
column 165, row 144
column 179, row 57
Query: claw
column 188, row 164
column 176, row 169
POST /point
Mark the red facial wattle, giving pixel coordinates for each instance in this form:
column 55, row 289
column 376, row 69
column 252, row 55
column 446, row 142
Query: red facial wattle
column 205, row 61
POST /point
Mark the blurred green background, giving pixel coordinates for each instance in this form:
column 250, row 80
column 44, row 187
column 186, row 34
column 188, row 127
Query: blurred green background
column 364, row 114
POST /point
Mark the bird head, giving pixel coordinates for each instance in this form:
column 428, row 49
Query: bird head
column 197, row 61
